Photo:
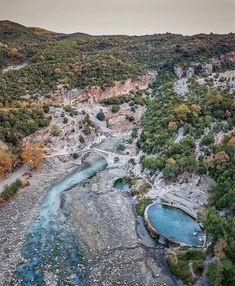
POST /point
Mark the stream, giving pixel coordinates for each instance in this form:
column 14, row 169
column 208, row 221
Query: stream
column 51, row 251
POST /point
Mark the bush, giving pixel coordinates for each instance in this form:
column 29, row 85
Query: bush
column 120, row 147
column 198, row 267
column 10, row 190
column 214, row 274
column 100, row 115
column 115, row 108
column 55, row 130
column 65, row 120
column 142, row 205
column 180, row 269
column 207, row 140
column 192, row 255
column 81, row 139
column 46, row 108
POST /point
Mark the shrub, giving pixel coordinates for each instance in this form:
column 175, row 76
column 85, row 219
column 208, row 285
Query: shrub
column 180, row 269
column 33, row 155
column 81, row 139
column 65, row 120
column 214, row 274
column 120, row 147
column 115, row 108
column 55, row 130
column 100, row 115
column 207, row 140
column 10, row 190
column 142, row 205
column 198, row 267
column 6, row 161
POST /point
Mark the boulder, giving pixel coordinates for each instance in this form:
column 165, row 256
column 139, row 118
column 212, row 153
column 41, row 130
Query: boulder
column 190, row 72
column 179, row 72
column 207, row 68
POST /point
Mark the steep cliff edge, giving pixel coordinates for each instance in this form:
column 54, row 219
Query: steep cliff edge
column 95, row 94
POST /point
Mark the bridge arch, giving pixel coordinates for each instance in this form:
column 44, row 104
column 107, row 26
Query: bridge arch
column 94, row 151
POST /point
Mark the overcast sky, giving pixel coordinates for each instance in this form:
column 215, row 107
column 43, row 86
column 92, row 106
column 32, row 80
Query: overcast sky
column 123, row 16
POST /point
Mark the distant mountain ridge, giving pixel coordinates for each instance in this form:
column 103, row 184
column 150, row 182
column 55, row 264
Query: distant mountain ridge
column 42, row 60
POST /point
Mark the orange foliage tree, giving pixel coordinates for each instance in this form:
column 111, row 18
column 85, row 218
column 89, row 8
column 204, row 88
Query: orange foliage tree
column 172, row 125
column 33, row 155
column 6, row 160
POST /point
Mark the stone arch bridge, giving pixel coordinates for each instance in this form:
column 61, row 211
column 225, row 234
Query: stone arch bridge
column 112, row 158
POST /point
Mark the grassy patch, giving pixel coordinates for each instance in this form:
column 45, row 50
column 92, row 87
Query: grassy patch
column 141, row 206
column 179, row 265
column 141, row 188
column 198, row 267
column 214, row 273
column 180, row 269
column 192, row 255
column 10, row 190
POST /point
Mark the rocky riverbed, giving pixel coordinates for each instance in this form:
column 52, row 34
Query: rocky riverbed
column 106, row 226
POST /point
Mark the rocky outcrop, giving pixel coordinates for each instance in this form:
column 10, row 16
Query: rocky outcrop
column 190, row 72
column 179, row 71
column 207, row 68
column 229, row 57
column 96, row 94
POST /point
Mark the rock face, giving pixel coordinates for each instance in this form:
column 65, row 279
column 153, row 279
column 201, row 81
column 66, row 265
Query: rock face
column 179, row 72
column 229, row 57
column 190, row 72
column 181, row 86
column 207, row 68
column 95, row 94
column 107, row 227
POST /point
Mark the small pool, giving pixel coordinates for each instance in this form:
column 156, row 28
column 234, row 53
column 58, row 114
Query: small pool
column 175, row 225
column 122, row 184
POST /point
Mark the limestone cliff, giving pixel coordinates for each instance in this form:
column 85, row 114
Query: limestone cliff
column 95, row 94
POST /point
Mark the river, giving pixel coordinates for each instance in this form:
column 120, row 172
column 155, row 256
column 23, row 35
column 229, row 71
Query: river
column 51, row 246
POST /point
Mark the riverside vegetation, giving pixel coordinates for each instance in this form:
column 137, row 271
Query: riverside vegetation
column 178, row 133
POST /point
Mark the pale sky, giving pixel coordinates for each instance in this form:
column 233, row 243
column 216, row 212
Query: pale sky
column 123, row 16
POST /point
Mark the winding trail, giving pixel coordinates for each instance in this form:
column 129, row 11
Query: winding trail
column 13, row 177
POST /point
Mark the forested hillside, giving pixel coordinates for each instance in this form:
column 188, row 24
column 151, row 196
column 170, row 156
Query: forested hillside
column 80, row 60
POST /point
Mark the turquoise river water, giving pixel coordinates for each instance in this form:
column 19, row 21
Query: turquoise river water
column 51, row 247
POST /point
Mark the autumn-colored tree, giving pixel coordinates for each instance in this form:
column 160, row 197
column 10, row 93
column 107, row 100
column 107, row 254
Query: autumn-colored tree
column 77, row 68
column 219, row 249
column 231, row 142
column 221, row 158
column 214, row 96
column 172, row 125
column 6, row 160
column 33, row 155
column 182, row 110
column 196, row 108
column 217, row 160
column 210, row 161
column 57, row 71
column 170, row 162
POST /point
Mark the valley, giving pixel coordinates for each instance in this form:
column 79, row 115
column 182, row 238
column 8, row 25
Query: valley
column 101, row 137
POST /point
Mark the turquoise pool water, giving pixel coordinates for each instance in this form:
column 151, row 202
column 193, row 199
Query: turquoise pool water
column 122, row 186
column 174, row 224
column 51, row 247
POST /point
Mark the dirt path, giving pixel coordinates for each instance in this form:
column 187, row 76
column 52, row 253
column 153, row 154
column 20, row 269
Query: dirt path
column 13, row 177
